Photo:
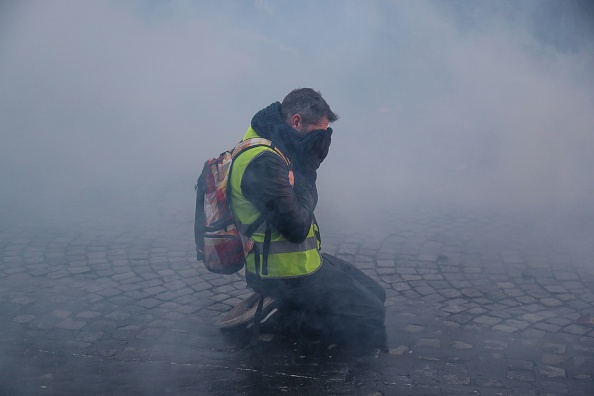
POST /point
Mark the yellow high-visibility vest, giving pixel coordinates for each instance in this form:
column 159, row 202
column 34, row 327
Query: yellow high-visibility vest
column 285, row 259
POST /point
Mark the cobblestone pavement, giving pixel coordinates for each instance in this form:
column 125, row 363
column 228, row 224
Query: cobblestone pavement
column 477, row 305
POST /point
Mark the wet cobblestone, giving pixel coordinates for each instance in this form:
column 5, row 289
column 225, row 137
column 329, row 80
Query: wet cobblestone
column 477, row 304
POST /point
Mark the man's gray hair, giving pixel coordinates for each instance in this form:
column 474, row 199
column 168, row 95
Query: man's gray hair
column 309, row 104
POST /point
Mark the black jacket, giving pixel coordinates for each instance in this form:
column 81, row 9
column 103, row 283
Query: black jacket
column 266, row 185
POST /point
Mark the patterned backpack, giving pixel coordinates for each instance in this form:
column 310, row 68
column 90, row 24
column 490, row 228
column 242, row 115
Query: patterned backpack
column 219, row 245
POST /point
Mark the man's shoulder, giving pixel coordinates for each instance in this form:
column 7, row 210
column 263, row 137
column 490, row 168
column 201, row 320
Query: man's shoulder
column 267, row 157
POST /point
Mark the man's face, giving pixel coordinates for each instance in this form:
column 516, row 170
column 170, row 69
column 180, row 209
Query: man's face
column 303, row 129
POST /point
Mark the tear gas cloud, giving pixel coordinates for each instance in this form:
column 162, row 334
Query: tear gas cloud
column 111, row 107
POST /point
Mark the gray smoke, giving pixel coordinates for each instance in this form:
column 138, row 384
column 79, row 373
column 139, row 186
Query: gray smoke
column 112, row 108
column 108, row 110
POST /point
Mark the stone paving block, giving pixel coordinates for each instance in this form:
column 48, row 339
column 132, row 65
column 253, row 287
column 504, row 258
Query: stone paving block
column 425, row 290
column 434, row 298
column 385, row 271
column 170, row 305
column 560, row 321
column 220, row 297
column 579, row 305
column 553, row 372
column 385, row 263
column 489, row 383
column 429, row 276
column 533, row 333
column 519, row 324
column 456, row 374
column 136, row 295
column 90, row 336
column 461, row 318
column 429, row 342
column 512, row 259
column 188, row 309
column 470, row 292
column 477, row 311
column 450, row 324
column 399, row 351
column 413, row 328
column 151, row 282
column 549, row 313
column 505, row 285
column 526, row 299
column 551, row 302
column 570, row 297
column 550, row 359
column 576, row 329
column 505, row 328
column 509, row 302
column 23, row 318
column 495, row 345
column 565, row 276
column 197, row 282
column 521, row 375
column 131, row 353
column 118, row 316
column 88, row 314
column 559, row 349
column 56, row 274
column 551, row 328
column 148, row 302
column 128, row 287
column 532, row 318
column 220, row 307
column 123, row 276
column 154, row 290
column 500, row 313
column 486, row 320
column 101, row 325
column 79, row 270
column 555, row 289
column 454, row 309
column 61, row 313
column 166, row 296
column 461, row 345
column 586, row 296
column 514, row 293
column 533, row 308
column 450, row 293
column 70, row 324
column 515, row 364
column 427, row 257
column 174, row 316
column 108, row 292
column 411, row 294
column 22, row 300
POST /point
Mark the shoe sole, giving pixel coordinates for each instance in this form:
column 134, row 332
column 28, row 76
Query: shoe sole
column 246, row 311
column 270, row 314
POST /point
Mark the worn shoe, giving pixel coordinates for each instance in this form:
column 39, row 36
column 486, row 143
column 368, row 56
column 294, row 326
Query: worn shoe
column 244, row 313
column 269, row 321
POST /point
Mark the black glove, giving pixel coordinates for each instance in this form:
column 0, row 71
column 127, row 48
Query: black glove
column 312, row 150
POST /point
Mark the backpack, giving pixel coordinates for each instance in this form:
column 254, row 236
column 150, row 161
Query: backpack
column 219, row 244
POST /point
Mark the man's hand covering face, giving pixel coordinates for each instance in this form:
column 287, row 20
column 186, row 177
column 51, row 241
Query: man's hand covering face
column 313, row 149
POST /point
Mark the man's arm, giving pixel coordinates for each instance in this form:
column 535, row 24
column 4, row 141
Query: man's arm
column 265, row 183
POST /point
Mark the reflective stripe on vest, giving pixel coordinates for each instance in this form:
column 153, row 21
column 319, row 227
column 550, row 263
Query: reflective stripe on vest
column 285, row 259
column 277, row 247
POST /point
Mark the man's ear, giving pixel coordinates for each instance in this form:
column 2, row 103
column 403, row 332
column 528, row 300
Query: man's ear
column 296, row 122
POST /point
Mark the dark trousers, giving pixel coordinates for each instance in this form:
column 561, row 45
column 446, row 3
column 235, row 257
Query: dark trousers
column 337, row 300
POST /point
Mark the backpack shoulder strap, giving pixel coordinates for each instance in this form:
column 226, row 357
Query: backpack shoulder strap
column 240, row 148
column 257, row 142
